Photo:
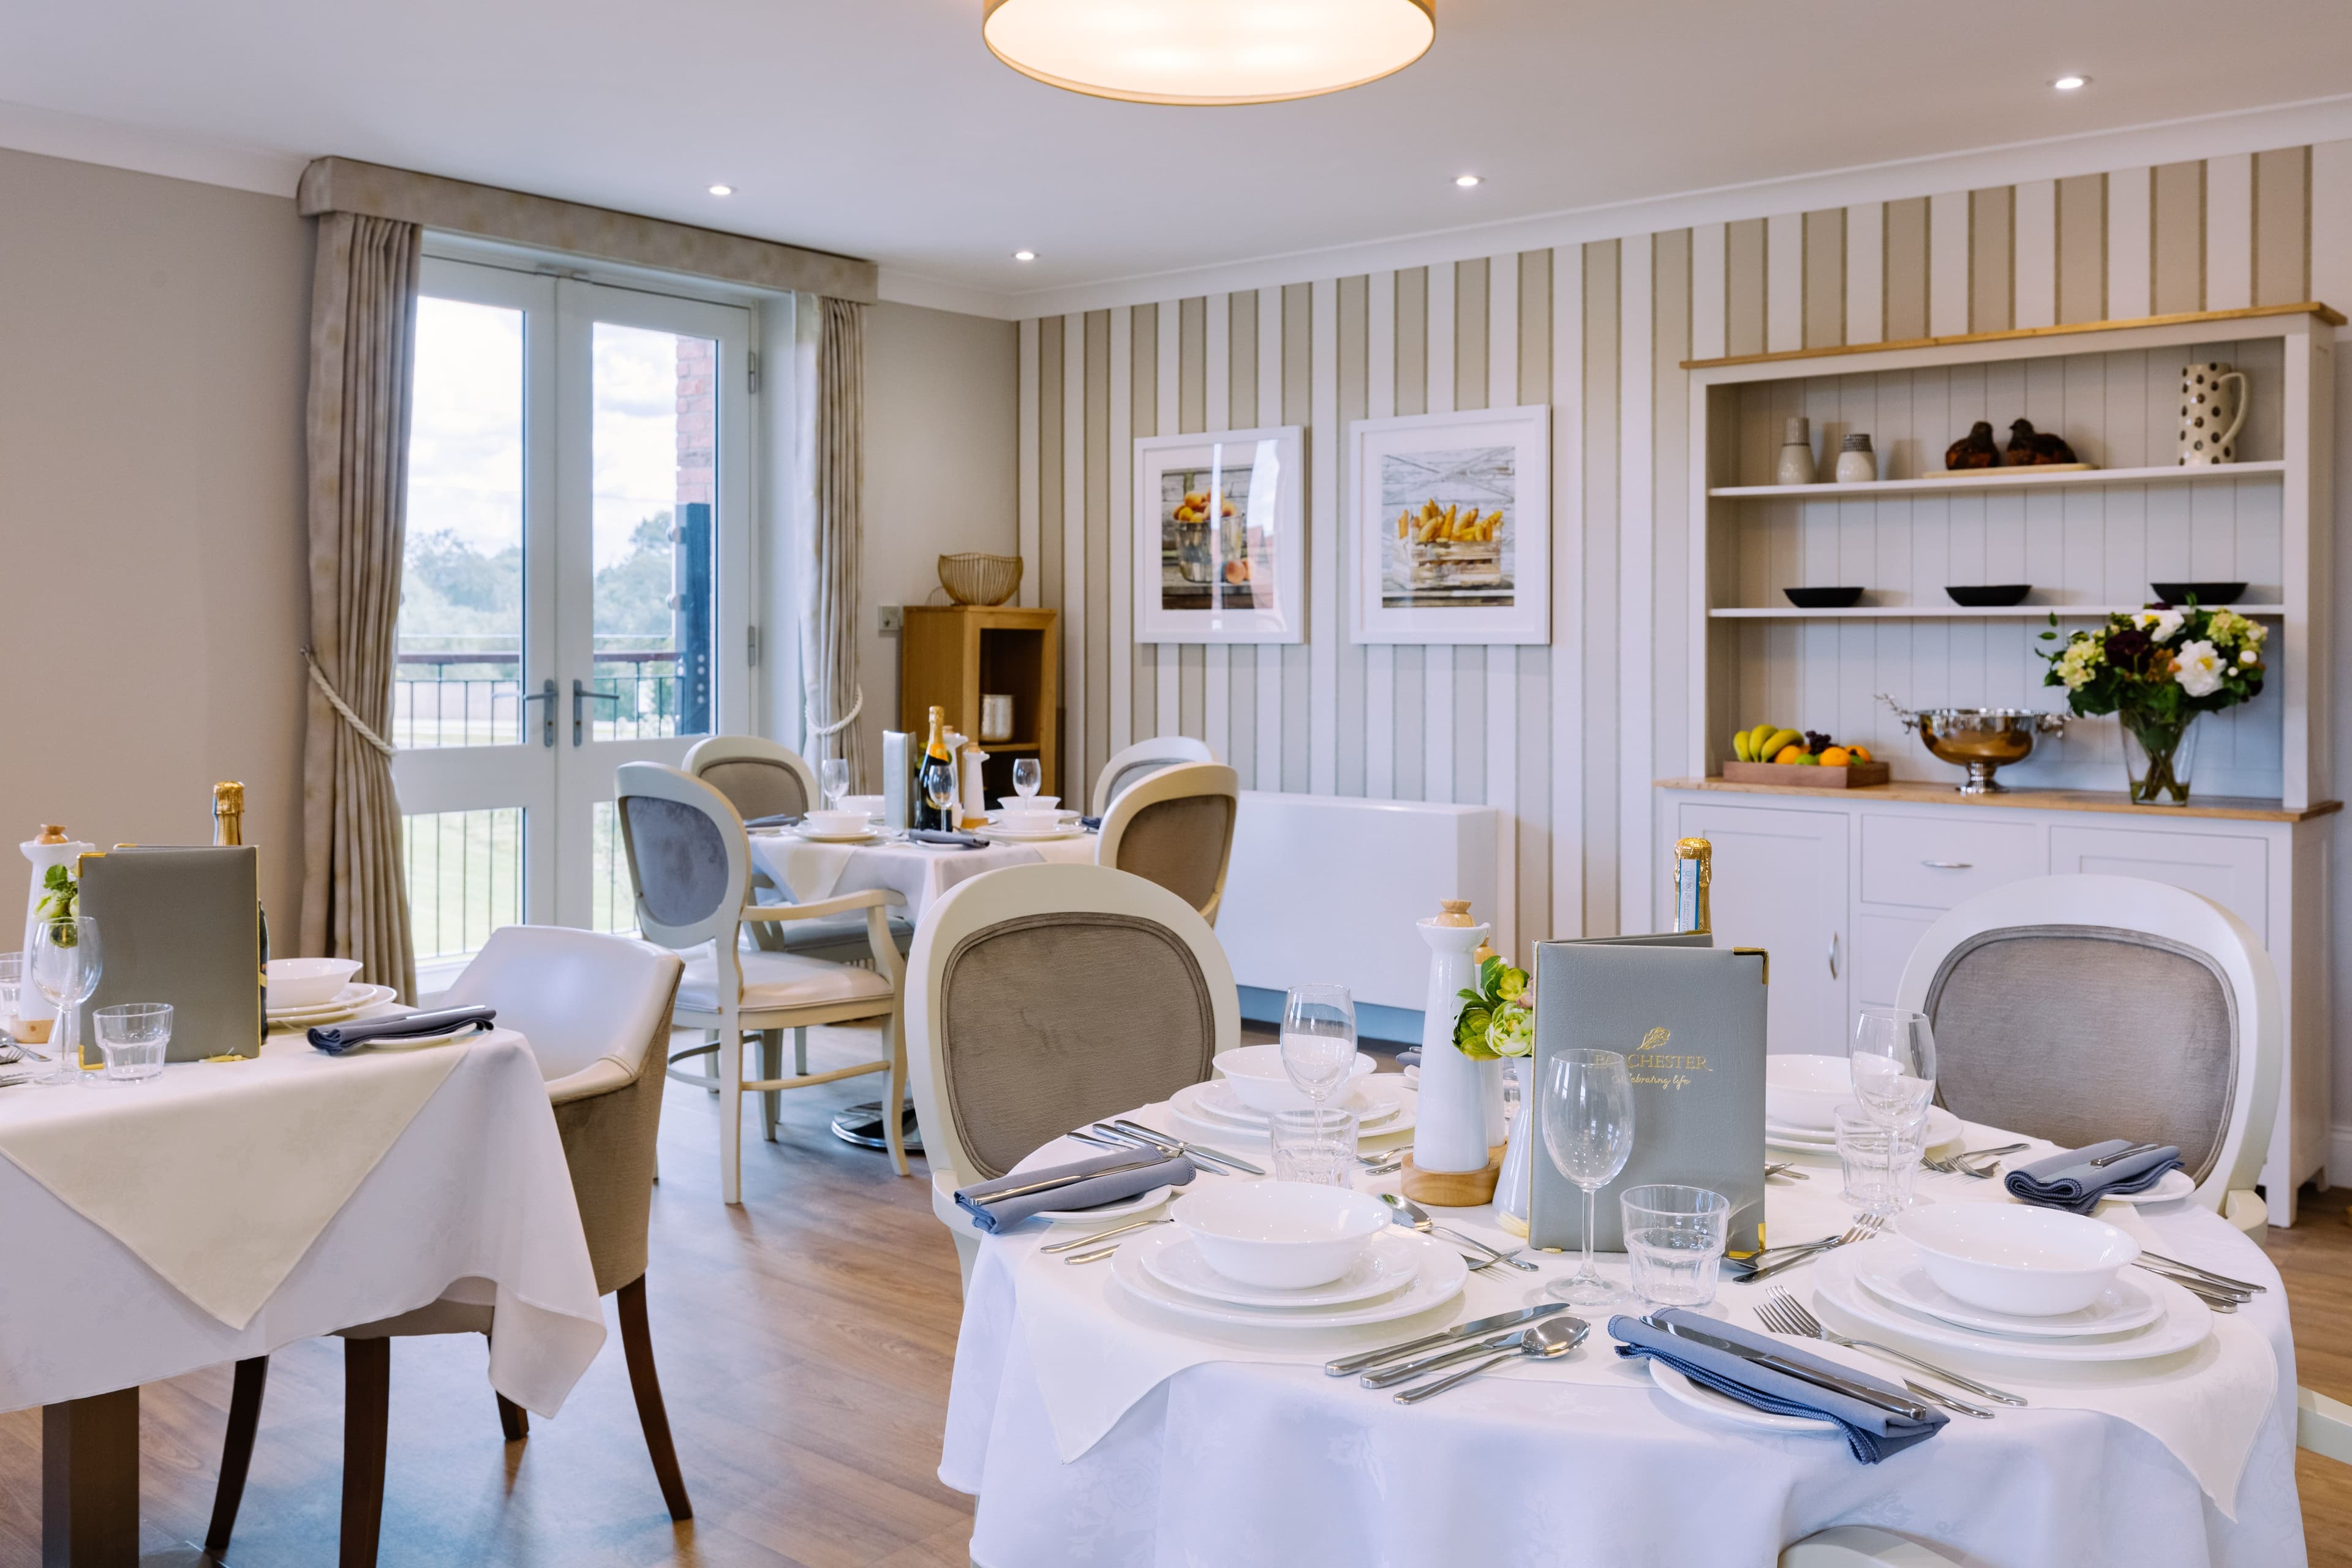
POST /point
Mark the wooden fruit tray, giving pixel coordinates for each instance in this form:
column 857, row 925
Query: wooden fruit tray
column 1853, row 776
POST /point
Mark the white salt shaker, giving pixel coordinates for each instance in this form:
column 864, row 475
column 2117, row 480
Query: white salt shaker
column 1858, row 464
column 1796, row 453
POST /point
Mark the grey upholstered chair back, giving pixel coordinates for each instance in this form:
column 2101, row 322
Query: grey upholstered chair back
column 755, row 787
column 1147, row 756
column 2078, row 1033
column 1052, row 1021
column 1116, row 782
column 690, row 862
column 1181, row 844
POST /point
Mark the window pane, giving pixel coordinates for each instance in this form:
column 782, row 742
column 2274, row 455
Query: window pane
column 612, row 896
column 465, row 877
column 655, row 443
column 460, row 635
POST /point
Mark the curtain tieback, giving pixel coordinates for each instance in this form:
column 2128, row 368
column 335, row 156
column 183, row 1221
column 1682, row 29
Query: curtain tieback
column 838, row 725
column 335, row 701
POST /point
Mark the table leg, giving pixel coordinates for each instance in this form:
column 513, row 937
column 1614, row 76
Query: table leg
column 90, row 1482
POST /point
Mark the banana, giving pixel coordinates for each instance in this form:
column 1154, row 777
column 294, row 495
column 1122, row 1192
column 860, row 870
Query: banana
column 1739, row 747
column 1780, row 737
column 1755, row 739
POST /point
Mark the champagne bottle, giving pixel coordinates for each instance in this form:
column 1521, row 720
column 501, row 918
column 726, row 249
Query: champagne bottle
column 229, row 831
column 937, row 776
column 1694, row 871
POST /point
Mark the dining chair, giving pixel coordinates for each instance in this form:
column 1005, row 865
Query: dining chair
column 1147, row 756
column 2080, row 1008
column 1044, row 997
column 596, row 1011
column 690, row 867
column 1174, row 827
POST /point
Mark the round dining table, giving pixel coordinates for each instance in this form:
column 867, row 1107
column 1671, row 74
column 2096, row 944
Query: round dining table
column 1098, row 1428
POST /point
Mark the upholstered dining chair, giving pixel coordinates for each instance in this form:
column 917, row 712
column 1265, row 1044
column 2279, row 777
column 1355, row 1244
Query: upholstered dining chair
column 1174, row 827
column 596, row 1011
column 2081, row 1007
column 1147, row 756
column 691, row 866
column 1041, row 998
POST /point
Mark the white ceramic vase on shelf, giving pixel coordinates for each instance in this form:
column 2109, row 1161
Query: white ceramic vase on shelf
column 1451, row 1127
column 1796, row 466
column 1858, row 464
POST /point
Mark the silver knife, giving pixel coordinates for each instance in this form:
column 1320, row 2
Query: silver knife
column 1798, row 1370
column 1177, row 1145
column 1437, row 1359
column 1474, row 1328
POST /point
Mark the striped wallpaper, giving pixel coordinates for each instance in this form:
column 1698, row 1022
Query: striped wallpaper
column 1566, row 739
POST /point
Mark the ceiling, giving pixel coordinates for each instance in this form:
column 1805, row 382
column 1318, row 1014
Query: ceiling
column 885, row 129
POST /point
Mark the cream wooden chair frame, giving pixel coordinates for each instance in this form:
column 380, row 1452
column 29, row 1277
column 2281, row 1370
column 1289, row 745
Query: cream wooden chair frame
column 1172, row 783
column 1013, row 893
column 722, row 928
column 712, row 750
column 1160, row 749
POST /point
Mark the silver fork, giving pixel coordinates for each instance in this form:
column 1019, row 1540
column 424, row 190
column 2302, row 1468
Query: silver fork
column 1784, row 1314
column 1864, row 1226
column 1961, row 1165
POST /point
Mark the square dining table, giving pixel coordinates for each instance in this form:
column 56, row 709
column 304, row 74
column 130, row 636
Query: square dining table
column 806, row 870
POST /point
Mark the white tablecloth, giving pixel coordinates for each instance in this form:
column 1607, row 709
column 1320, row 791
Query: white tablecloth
column 471, row 1201
column 1239, row 1450
column 918, row 873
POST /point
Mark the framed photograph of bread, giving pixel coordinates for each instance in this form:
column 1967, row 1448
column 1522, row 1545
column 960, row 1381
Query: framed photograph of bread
column 1221, row 536
column 1449, row 527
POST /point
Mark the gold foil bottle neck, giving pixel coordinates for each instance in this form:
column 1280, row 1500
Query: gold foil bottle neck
column 228, row 813
column 1453, row 913
column 1693, row 868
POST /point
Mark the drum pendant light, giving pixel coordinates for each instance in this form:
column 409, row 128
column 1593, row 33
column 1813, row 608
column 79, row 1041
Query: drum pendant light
column 1208, row 51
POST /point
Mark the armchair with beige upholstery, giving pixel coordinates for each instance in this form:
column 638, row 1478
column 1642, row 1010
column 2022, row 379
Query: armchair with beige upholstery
column 691, row 866
column 1041, row 998
column 1174, row 827
column 1147, row 756
column 596, row 1011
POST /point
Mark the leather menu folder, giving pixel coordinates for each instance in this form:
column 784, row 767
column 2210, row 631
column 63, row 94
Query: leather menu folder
column 182, row 926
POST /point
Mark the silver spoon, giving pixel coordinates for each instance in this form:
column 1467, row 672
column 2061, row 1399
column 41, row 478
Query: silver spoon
column 1540, row 1341
column 1412, row 1217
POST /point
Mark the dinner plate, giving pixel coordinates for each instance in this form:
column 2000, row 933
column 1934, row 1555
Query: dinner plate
column 996, row 835
column 2176, row 1184
column 1388, row 1263
column 346, row 1003
column 868, row 836
column 1184, row 1105
column 1217, row 1100
column 1121, row 1209
column 1892, row 1271
column 1438, row 1275
column 1676, row 1385
column 2184, row 1325
column 1942, row 1128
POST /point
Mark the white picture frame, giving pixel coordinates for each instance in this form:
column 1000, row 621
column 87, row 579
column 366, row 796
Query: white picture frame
column 1490, row 582
column 1243, row 580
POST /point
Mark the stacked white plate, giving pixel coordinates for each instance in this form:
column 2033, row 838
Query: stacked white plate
column 1029, row 826
column 810, row 834
column 1400, row 1273
column 347, row 1003
column 2137, row 1316
column 1942, row 1128
column 1384, row 1103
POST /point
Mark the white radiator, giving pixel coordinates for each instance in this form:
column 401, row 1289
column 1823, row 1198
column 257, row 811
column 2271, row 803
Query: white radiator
column 1327, row 888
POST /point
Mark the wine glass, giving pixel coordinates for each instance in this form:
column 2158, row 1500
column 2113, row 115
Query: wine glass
column 833, row 776
column 1318, row 1040
column 1894, row 1058
column 1588, row 1130
column 940, row 789
column 62, row 960
column 1026, row 776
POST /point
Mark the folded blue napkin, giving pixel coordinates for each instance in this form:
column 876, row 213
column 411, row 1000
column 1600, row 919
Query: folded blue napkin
column 336, row 1039
column 1091, row 824
column 2069, row 1181
column 1175, row 1171
column 1872, row 1434
column 947, row 840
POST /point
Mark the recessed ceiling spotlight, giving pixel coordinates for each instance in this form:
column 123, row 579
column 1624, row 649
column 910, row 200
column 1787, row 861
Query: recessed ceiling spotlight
column 1466, row 181
column 1025, row 255
column 2071, row 83
column 722, row 190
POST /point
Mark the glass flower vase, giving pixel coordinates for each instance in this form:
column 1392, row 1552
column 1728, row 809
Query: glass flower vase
column 2158, row 756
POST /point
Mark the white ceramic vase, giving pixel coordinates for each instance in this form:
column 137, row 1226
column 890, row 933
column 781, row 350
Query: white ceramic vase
column 1452, row 1119
column 2212, row 411
column 1796, row 465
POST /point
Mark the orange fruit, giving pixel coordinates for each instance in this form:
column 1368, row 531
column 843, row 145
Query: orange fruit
column 1835, row 756
column 1861, row 754
column 1789, row 753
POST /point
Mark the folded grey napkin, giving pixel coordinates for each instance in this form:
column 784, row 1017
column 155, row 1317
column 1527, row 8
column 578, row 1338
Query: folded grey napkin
column 336, row 1039
column 993, row 1216
column 2069, row 1181
column 780, row 819
column 948, row 840
column 1872, row 1434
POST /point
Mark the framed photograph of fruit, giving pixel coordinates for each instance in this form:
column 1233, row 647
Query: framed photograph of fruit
column 1450, row 527
column 1221, row 536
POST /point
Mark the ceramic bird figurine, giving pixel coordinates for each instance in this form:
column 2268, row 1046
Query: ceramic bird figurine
column 1973, row 451
column 2029, row 446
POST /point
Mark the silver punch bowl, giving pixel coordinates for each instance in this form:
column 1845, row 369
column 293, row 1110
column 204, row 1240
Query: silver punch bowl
column 1979, row 739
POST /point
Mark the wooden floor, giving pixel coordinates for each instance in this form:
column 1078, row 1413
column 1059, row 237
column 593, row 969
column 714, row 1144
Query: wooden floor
column 805, row 1342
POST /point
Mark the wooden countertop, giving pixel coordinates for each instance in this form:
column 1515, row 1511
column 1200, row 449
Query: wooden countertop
column 1912, row 792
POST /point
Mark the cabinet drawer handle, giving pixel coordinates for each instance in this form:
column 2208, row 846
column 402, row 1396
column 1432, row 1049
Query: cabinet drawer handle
column 1946, row 865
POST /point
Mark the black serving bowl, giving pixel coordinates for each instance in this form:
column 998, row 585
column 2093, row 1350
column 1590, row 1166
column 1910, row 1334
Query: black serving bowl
column 1990, row 595
column 2206, row 595
column 1824, row 598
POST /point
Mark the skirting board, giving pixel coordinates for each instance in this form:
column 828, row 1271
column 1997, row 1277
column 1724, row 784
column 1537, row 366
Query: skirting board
column 1402, row 1026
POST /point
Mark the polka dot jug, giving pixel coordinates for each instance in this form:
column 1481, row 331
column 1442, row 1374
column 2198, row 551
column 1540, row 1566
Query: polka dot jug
column 2212, row 407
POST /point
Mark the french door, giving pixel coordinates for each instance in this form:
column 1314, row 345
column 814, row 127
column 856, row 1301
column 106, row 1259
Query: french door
column 575, row 590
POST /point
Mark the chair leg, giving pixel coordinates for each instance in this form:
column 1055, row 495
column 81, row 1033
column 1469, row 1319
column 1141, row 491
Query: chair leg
column 367, row 1414
column 771, row 1065
column 236, row 1449
column 711, row 1062
column 513, row 1420
column 800, row 1052
column 637, row 1346
column 894, row 1099
column 730, row 1113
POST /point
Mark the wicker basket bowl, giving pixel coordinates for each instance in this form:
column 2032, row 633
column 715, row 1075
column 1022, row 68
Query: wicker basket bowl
column 977, row 579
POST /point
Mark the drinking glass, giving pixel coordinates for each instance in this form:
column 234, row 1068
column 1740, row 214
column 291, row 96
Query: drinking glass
column 11, row 971
column 833, row 777
column 131, row 1035
column 940, row 789
column 62, row 960
column 1026, row 776
column 1894, row 1058
column 1317, row 1146
column 1588, row 1130
column 1674, row 1236
column 1880, row 1162
column 1318, row 1040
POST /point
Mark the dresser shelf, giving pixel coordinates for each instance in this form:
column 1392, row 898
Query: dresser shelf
column 2001, row 480
column 1954, row 611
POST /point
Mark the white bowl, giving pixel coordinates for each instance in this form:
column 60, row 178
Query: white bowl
column 1280, row 1235
column 1022, row 805
column 1805, row 1091
column 2009, row 1257
column 308, row 982
column 837, row 824
column 1260, row 1082
column 865, row 806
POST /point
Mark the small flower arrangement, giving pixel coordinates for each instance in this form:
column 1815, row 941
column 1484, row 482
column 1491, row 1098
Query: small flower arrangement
column 1498, row 1018
column 2156, row 670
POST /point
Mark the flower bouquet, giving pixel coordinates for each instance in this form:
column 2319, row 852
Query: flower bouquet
column 2156, row 670
column 1498, row 1018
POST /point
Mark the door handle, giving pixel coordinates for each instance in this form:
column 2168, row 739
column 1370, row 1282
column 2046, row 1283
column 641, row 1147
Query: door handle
column 1833, row 955
column 580, row 693
column 1947, row 865
column 546, row 693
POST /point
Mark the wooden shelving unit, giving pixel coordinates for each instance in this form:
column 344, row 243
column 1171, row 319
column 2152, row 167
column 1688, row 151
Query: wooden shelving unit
column 953, row 654
column 1950, row 612
column 1997, row 479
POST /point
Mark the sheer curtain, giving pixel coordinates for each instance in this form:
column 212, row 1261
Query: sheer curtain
column 831, row 573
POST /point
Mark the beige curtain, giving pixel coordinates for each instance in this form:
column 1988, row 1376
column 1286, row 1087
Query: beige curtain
column 362, row 337
column 829, row 618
